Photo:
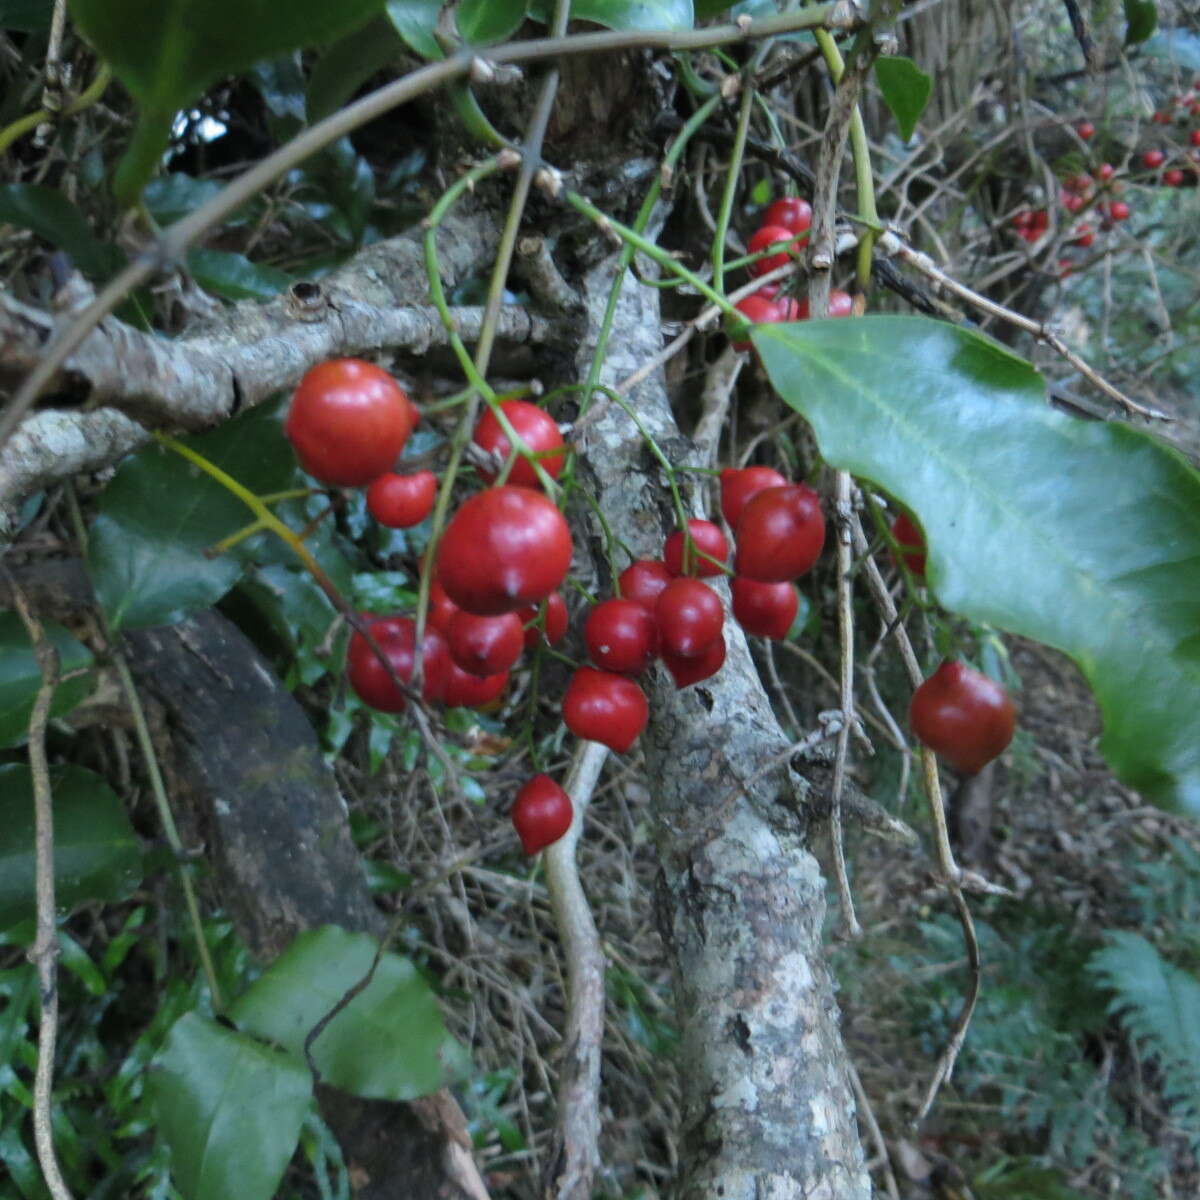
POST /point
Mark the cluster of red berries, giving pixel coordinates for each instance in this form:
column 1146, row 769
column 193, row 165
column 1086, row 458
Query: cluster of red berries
column 784, row 230
column 1180, row 108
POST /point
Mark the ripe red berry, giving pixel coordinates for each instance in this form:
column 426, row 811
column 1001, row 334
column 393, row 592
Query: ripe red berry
column 485, row 646
column 397, row 638
column 606, row 708
column 791, row 213
column 1084, row 236
column 764, row 609
column 1105, row 171
column 738, row 484
column 441, row 607
column 643, row 581
column 1154, row 159
column 1073, row 203
column 789, row 308
column 1118, row 210
column 464, row 690
column 1195, row 137
column 685, row 671
column 841, row 304
column 963, row 715
column 505, row 548
column 348, row 421
column 758, row 310
column 1086, row 130
column 402, row 501
column 554, row 625
column 780, row 534
column 707, row 539
column 912, row 544
column 689, row 616
column 1161, row 118
column 621, row 636
column 769, row 235
column 1173, row 177
column 537, row 429
column 541, row 814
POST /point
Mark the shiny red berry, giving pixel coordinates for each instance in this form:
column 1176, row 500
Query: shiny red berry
column 841, row 304
column 764, row 609
column 963, row 715
column 402, row 501
column 602, row 707
column 537, row 429
column 758, row 310
column 621, row 636
column 1154, row 159
column 912, row 545
column 397, row 638
column 643, row 581
column 767, row 236
column 792, row 213
column 780, row 534
column 1173, row 177
column 485, row 646
column 464, row 690
column 541, row 814
column 707, row 539
column 1086, row 130
column 689, row 616
column 554, row 624
column 688, row 670
column 739, row 484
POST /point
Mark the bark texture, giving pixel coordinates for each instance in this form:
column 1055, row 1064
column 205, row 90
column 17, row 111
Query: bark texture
column 769, row 1109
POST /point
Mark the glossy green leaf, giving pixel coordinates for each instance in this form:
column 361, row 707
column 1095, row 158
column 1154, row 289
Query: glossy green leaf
column 229, row 1108
column 388, row 1043
column 167, row 53
column 96, row 854
column 626, row 14
column 1083, row 535
column 20, row 676
column 49, row 214
column 482, row 21
column 415, row 21
column 906, row 90
column 1141, row 20
column 170, row 198
column 234, row 276
column 348, row 64
column 705, row 9
column 160, row 514
column 25, row 16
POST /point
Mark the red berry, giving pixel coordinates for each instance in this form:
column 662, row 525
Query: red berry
column 485, row 646
column 912, row 544
column 789, row 308
column 621, row 636
column 689, row 616
column 1173, row 177
column 539, row 432
column 1074, row 203
column 464, row 690
column 1086, row 130
column 541, row 814
column 606, row 708
column 1195, row 137
column 841, row 304
column 1084, row 236
column 1118, row 210
column 780, row 534
column 402, row 501
column 397, row 638
column 505, row 548
column 643, row 581
column 764, row 609
column 758, row 310
column 738, row 484
column 707, row 539
column 441, row 608
column 554, row 625
column 1154, row 159
column 962, row 715
column 348, row 421
column 1161, row 118
column 686, row 671
column 769, row 235
column 1105, row 171
column 1077, row 183
column 791, row 213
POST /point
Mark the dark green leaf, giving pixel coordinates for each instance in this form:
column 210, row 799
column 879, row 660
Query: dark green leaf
column 706, row 9
column 171, row 197
column 1141, row 20
column 348, row 64
column 20, row 676
column 96, row 854
column 625, row 14
column 415, row 21
column 159, row 515
column 25, row 16
column 489, row 20
column 53, row 217
column 1083, row 535
column 906, row 89
column 234, row 276
column 388, row 1043
column 229, row 1108
column 167, row 53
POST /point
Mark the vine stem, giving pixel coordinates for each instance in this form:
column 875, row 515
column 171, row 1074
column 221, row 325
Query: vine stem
column 170, row 247
column 85, row 99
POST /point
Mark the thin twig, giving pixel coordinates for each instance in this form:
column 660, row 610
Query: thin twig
column 867, row 1113
column 45, row 949
column 55, row 73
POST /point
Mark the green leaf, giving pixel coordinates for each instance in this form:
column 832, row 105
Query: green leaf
column 625, row 14
column 167, row 53
column 52, row 216
column 96, row 854
column 906, row 90
column 482, row 21
column 229, row 1108
column 159, row 514
column 25, row 16
column 1141, row 20
column 348, row 64
column 1083, row 535
column 415, row 21
column 234, row 276
column 20, row 676
column 171, row 197
column 706, row 9
column 388, row 1043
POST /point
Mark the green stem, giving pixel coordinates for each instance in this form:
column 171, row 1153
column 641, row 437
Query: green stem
column 85, row 99
column 732, row 174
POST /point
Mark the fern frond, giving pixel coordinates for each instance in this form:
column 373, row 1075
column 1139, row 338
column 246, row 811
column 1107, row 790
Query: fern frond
column 1159, row 1005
